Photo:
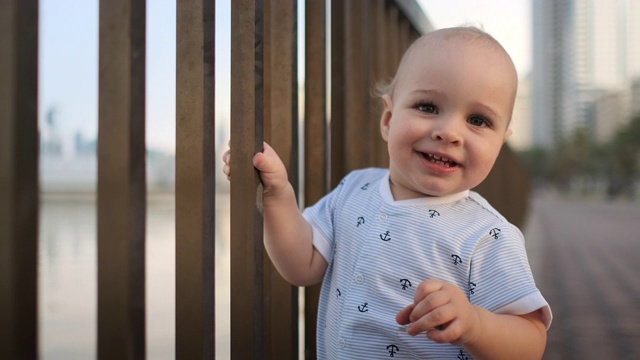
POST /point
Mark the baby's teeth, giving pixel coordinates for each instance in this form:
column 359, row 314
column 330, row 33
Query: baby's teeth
column 439, row 158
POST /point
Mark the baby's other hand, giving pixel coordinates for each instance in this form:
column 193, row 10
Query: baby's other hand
column 442, row 310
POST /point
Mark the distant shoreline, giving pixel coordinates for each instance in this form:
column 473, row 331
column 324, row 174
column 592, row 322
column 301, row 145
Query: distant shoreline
column 81, row 195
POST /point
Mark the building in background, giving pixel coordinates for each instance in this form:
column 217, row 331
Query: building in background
column 586, row 55
column 68, row 160
column 608, row 111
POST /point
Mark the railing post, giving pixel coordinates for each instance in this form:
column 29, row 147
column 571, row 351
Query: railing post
column 360, row 127
column 338, row 161
column 281, row 132
column 19, row 191
column 507, row 187
column 379, row 56
column 247, row 110
column 121, row 180
column 195, row 179
column 316, row 142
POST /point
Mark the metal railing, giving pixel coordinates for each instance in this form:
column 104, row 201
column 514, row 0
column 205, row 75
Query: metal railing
column 366, row 42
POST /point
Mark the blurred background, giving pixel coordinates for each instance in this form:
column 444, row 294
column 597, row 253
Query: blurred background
column 576, row 128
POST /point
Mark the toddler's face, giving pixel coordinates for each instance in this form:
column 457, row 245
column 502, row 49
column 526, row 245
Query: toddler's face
column 448, row 117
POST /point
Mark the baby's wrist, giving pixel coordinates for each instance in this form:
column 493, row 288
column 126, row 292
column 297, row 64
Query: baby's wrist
column 476, row 330
column 276, row 195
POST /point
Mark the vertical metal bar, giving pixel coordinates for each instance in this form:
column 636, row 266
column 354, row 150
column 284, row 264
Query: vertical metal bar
column 383, row 66
column 393, row 37
column 507, row 187
column 247, row 313
column 338, row 92
column 195, row 179
column 281, row 132
column 19, row 191
column 357, row 113
column 379, row 54
column 316, row 140
column 121, row 180
column 404, row 34
column 316, row 136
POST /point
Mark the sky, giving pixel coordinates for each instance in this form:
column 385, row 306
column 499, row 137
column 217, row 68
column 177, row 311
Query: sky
column 512, row 31
column 69, row 57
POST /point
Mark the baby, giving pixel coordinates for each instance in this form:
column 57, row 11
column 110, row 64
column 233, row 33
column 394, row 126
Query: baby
column 411, row 250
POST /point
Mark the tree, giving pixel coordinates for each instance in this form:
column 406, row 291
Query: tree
column 624, row 152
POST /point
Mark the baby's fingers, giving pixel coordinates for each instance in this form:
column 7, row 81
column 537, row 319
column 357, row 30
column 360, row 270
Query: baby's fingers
column 436, row 320
column 402, row 317
column 226, row 157
column 268, row 162
column 226, row 168
column 446, row 333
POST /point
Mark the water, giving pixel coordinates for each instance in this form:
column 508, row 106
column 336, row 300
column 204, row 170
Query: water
column 68, row 277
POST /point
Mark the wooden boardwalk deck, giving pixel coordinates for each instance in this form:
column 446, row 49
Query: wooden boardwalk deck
column 586, row 258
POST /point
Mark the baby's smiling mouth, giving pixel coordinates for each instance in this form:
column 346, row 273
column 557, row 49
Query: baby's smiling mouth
column 440, row 160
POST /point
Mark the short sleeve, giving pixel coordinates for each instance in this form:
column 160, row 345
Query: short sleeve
column 321, row 217
column 500, row 276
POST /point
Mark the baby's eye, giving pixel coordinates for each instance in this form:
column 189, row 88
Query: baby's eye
column 479, row 121
column 427, row 108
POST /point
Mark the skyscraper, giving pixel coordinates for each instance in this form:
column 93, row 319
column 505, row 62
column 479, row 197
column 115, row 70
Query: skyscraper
column 583, row 52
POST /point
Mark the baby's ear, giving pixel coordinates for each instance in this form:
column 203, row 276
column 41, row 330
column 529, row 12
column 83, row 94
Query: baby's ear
column 385, row 118
column 507, row 134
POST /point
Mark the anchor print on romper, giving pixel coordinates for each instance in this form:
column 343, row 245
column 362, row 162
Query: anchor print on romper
column 495, row 232
column 472, row 287
column 386, row 236
column 461, row 356
column 456, row 259
column 433, row 213
column 360, row 221
column 339, row 293
column 392, row 349
column 405, row 283
column 365, row 186
column 364, row 307
column 342, row 182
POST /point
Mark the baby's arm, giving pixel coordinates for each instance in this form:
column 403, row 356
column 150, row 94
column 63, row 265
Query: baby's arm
column 288, row 237
column 443, row 311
